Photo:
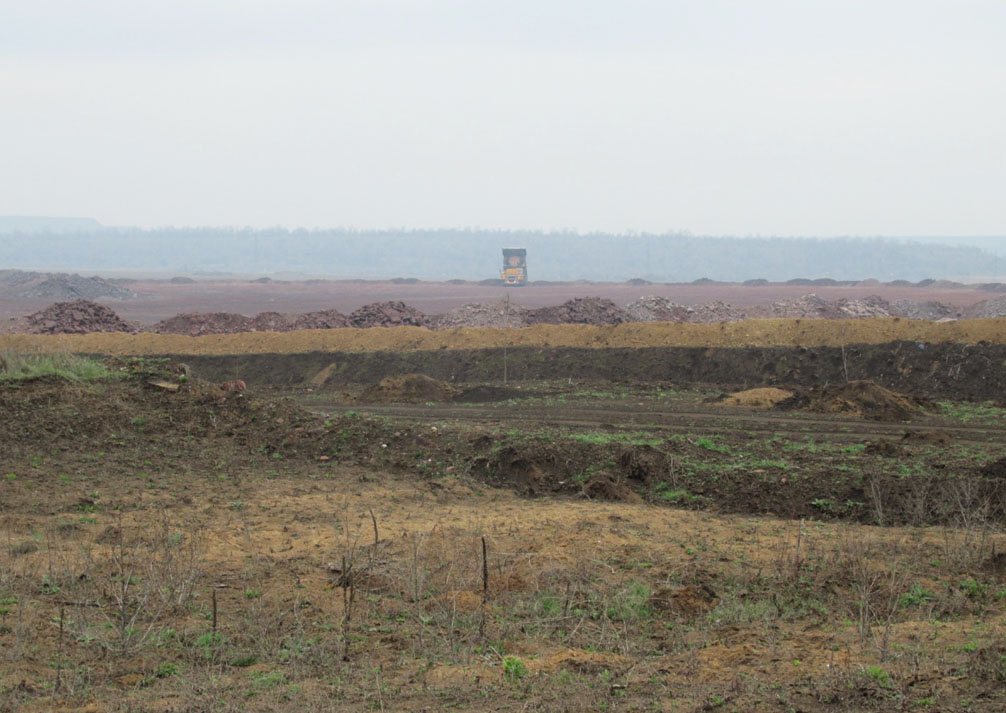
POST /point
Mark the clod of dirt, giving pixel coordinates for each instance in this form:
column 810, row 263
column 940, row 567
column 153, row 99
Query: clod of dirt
column 79, row 317
column 858, row 398
column 995, row 469
column 929, row 437
column 688, row 601
column 885, row 449
column 608, row 486
column 410, row 388
column 387, row 314
column 763, row 398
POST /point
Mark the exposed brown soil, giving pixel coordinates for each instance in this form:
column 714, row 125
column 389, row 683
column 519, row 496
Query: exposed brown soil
column 79, row 317
column 387, row 314
column 860, row 398
column 594, row 311
column 408, row 388
column 766, row 397
column 280, row 559
column 995, row 469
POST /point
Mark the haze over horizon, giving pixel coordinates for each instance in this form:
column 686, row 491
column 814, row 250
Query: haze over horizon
column 777, row 118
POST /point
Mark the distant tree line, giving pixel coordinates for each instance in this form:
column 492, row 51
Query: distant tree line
column 475, row 254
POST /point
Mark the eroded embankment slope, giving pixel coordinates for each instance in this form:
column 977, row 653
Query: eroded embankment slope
column 750, row 333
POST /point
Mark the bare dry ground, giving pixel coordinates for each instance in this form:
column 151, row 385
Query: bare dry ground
column 159, row 299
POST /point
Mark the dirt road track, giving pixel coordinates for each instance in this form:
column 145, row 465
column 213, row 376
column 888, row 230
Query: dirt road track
column 682, row 419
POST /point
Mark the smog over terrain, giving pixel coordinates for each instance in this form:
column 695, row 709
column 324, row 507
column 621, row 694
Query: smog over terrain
column 529, row 356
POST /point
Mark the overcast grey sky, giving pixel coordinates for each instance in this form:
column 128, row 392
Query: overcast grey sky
column 773, row 117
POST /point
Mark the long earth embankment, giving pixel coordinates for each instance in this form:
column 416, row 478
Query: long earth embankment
column 749, row 333
column 958, row 359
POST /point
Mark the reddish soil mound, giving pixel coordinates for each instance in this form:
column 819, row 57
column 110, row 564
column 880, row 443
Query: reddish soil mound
column 195, row 324
column 582, row 310
column 80, row 317
column 272, row 322
column 410, row 388
column 387, row 314
column 325, row 319
column 862, row 398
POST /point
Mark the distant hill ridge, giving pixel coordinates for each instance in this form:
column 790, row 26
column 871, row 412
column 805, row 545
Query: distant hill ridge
column 474, row 254
column 43, row 224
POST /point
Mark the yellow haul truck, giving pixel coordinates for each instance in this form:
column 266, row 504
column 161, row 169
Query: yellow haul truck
column 514, row 270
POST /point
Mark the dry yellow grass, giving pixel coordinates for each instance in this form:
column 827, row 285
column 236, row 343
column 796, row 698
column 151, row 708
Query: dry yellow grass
column 757, row 333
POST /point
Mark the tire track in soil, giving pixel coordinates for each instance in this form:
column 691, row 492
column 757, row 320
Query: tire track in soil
column 679, row 421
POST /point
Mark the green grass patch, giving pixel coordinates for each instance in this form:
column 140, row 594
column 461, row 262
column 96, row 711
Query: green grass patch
column 15, row 366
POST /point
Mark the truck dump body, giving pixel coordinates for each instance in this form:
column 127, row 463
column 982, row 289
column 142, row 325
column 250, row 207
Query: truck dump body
column 514, row 270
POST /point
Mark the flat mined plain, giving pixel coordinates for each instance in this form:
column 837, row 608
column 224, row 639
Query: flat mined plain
column 552, row 538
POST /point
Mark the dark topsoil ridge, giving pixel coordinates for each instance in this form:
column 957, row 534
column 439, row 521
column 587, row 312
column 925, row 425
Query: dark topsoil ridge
column 945, row 370
column 174, row 429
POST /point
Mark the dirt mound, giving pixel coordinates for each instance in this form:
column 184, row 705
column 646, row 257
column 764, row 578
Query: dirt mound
column 689, row 601
column 79, row 317
column 657, row 309
column 871, row 306
column 325, row 319
column 757, row 398
column 387, row 314
column 862, row 398
column 410, row 388
column 272, row 322
column 61, row 286
column 995, row 307
column 885, row 449
column 195, row 324
column 484, row 314
column 927, row 437
column 716, row 312
column 806, row 307
column 910, row 309
column 595, row 311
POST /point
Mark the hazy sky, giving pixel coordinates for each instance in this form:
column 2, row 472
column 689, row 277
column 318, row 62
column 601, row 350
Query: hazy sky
column 788, row 117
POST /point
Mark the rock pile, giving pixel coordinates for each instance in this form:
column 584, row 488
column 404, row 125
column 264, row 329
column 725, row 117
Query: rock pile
column 195, row 324
column 995, row 307
column 325, row 319
column 657, row 309
column 78, row 317
column 716, row 312
column 387, row 314
column 484, row 314
column 582, row 310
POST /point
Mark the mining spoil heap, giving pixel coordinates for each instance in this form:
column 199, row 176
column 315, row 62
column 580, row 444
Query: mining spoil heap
column 749, row 333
